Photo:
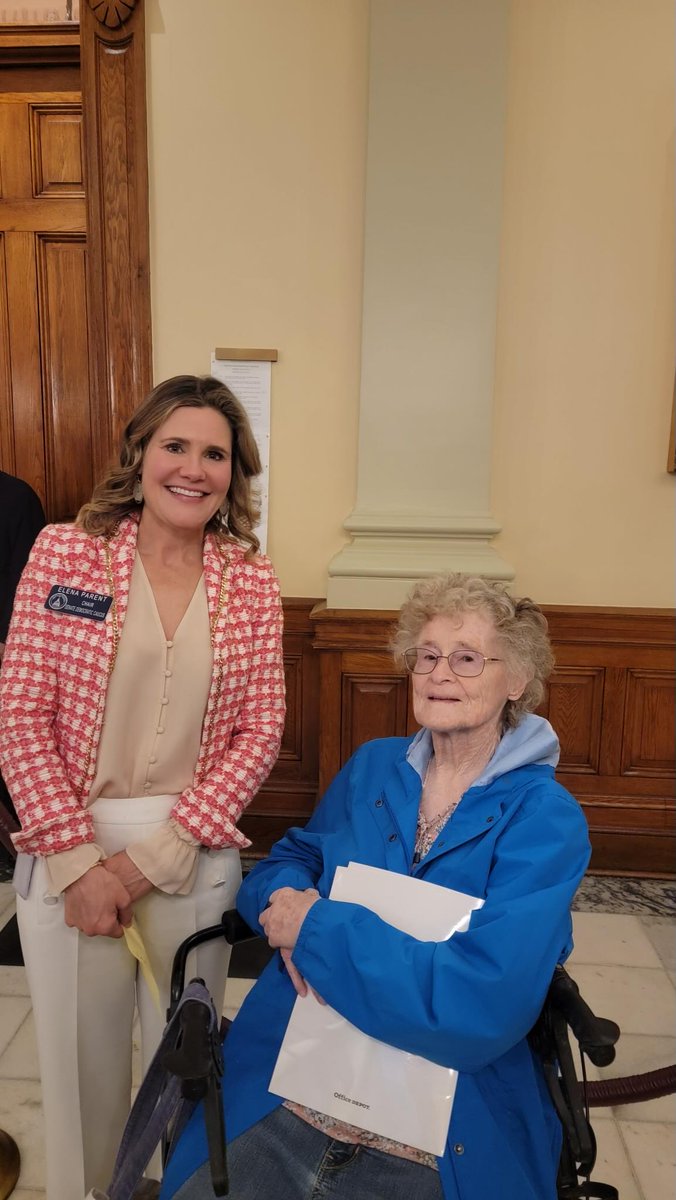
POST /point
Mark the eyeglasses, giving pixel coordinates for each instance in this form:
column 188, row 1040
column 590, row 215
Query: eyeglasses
column 466, row 663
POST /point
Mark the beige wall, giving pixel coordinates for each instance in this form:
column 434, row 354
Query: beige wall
column 585, row 354
column 257, row 125
column 257, row 120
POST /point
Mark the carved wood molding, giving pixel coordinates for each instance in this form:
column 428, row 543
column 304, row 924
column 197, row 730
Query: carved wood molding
column 371, row 628
column 116, row 179
column 39, row 45
column 112, row 13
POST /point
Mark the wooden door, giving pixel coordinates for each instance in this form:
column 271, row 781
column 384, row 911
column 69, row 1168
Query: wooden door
column 45, row 417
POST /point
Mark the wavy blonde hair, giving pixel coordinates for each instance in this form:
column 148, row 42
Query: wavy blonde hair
column 520, row 624
column 113, row 496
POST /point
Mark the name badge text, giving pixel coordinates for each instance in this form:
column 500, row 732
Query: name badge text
column 75, row 602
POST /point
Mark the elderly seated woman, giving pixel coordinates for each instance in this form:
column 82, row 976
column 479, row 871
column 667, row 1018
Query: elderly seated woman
column 470, row 803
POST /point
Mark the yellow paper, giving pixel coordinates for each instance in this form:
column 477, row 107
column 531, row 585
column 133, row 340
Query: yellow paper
column 136, row 946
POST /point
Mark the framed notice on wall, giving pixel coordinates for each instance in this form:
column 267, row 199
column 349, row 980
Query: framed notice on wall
column 248, row 374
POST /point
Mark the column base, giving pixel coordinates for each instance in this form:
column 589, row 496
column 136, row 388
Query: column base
column 389, row 552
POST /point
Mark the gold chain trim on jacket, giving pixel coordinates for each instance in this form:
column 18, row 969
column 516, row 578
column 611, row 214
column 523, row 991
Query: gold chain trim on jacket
column 113, row 610
column 101, row 701
column 218, row 663
column 111, row 663
column 222, row 595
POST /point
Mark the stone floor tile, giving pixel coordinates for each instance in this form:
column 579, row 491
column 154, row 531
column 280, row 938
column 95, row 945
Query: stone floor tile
column 21, row 1116
column 13, row 981
column 613, row 1164
column 662, row 934
column 20, row 1059
column 612, row 938
column 7, row 903
column 639, row 999
column 13, row 1011
column 651, row 1147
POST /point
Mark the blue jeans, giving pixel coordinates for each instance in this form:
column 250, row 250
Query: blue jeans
column 285, row 1158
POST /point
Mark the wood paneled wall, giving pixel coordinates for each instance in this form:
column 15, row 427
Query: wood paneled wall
column 610, row 699
column 291, row 792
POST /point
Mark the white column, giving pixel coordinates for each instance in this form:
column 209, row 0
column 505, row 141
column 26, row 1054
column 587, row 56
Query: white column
column 433, row 208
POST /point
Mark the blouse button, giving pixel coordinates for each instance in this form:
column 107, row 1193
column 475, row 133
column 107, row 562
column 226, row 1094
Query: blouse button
column 164, row 700
column 167, row 674
column 153, row 759
column 392, row 837
column 458, row 1148
column 147, row 787
column 160, row 729
column 169, row 645
column 379, row 802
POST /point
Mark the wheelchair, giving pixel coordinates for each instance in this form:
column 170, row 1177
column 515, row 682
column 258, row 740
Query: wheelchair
column 194, row 1058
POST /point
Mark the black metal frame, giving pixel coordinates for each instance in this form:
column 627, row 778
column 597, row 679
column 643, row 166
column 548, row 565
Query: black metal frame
column 564, row 1009
column 198, row 1062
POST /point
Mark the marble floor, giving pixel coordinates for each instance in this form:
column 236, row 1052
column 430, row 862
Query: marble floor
column 624, row 961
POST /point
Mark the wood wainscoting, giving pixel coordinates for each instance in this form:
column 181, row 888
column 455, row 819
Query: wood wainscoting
column 290, row 794
column 610, row 699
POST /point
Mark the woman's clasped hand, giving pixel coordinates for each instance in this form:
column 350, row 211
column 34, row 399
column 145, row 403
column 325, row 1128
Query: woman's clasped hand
column 98, row 904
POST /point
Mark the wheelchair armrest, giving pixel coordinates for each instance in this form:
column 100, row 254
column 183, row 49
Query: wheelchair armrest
column 232, row 927
column 235, row 928
column 596, row 1035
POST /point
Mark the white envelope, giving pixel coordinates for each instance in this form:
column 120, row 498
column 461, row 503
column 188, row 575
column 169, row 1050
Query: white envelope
column 327, row 1064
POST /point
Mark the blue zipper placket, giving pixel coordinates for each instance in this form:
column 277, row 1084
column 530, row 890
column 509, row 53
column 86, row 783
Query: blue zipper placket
column 409, row 780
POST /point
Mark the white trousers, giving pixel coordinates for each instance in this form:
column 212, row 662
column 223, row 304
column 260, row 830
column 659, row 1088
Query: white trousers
column 84, row 992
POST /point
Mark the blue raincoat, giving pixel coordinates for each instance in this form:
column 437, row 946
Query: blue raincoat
column 518, row 840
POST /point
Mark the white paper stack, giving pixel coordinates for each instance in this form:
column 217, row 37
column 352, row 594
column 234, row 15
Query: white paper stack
column 327, row 1064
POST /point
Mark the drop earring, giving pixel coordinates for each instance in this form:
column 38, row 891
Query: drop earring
column 137, row 490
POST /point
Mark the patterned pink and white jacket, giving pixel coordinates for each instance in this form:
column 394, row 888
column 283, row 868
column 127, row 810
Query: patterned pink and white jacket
column 55, row 674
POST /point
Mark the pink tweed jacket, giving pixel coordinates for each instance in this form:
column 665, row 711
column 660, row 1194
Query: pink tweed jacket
column 55, row 674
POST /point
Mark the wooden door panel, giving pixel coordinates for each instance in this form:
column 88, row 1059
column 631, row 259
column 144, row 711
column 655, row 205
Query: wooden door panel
column 24, row 341
column 15, row 159
column 45, row 402
column 65, row 374
column 56, row 150
column 54, row 216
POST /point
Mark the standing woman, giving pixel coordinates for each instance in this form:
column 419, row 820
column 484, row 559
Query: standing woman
column 142, row 706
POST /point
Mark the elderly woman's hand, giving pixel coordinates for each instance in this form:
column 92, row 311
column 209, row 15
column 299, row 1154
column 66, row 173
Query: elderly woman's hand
column 299, row 982
column 286, row 911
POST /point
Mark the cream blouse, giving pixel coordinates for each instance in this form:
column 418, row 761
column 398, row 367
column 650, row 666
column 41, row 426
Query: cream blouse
column 152, row 727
